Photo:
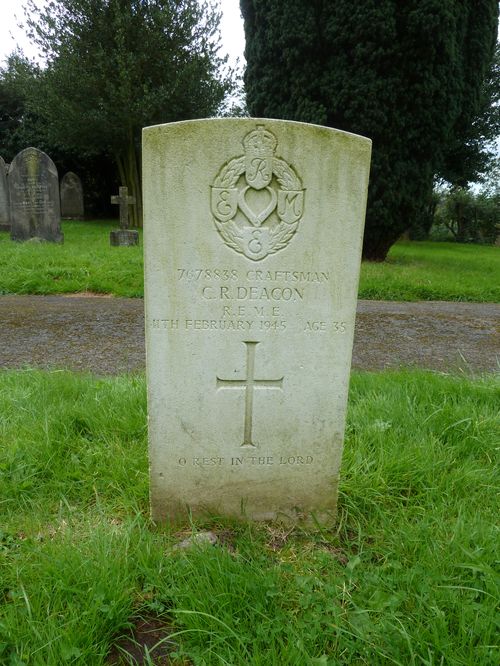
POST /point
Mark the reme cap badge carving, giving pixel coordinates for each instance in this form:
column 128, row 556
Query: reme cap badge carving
column 257, row 198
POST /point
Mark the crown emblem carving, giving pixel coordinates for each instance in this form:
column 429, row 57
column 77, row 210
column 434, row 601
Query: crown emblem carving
column 257, row 198
column 260, row 143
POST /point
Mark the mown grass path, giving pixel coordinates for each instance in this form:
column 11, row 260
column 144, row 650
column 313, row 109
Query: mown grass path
column 105, row 335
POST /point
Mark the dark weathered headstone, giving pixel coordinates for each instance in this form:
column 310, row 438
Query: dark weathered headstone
column 4, row 198
column 35, row 211
column 72, row 197
column 123, row 236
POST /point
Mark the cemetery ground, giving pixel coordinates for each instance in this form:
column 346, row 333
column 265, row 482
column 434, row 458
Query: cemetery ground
column 85, row 263
column 404, row 576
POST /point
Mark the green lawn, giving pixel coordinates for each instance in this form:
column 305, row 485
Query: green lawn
column 406, row 575
column 86, row 262
column 430, row 271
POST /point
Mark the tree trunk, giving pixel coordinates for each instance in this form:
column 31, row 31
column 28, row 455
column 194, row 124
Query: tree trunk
column 121, row 170
column 461, row 223
column 378, row 251
column 378, row 241
column 128, row 169
column 135, row 180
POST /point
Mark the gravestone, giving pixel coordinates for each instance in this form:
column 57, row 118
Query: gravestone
column 123, row 236
column 253, row 232
column 4, row 198
column 35, row 211
column 72, row 197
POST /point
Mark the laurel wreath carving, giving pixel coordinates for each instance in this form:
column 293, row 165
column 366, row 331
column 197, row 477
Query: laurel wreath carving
column 229, row 174
column 281, row 234
column 230, row 233
column 285, row 175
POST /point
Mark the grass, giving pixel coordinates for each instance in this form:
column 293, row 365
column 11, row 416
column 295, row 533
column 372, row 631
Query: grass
column 430, row 271
column 406, row 575
column 86, row 262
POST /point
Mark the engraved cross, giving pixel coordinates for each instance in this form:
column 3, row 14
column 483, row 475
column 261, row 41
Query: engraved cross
column 124, row 202
column 249, row 384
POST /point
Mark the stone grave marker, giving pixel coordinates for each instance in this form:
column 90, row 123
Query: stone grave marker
column 35, row 211
column 4, row 198
column 123, row 236
column 72, row 197
column 253, row 233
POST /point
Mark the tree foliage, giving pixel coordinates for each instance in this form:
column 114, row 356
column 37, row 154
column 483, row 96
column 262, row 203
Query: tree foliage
column 115, row 66
column 471, row 152
column 11, row 109
column 408, row 75
column 18, row 127
column 21, row 126
column 469, row 217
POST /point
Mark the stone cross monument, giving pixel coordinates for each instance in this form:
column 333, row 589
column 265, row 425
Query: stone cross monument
column 123, row 236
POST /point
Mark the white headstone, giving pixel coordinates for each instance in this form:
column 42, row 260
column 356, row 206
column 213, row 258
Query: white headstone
column 253, row 232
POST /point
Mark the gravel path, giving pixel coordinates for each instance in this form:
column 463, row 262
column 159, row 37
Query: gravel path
column 105, row 335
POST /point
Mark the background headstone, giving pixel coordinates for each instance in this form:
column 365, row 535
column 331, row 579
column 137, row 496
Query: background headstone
column 4, row 198
column 35, row 211
column 253, row 234
column 72, row 197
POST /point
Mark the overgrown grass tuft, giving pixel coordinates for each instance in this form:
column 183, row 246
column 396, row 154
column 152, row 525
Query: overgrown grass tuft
column 405, row 576
column 86, row 262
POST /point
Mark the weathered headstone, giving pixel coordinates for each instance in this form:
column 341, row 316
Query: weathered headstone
column 253, row 233
column 123, row 236
column 35, row 211
column 4, row 198
column 72, row 197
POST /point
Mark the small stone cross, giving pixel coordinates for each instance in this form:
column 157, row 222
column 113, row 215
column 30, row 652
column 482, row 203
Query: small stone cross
column 124, row 201
column 249, row 384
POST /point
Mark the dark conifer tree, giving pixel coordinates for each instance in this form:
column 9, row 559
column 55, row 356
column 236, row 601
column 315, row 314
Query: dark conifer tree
column 409, row 75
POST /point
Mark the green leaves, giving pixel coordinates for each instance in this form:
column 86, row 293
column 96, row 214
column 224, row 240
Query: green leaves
column 118, row 65
column 411, row 76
